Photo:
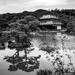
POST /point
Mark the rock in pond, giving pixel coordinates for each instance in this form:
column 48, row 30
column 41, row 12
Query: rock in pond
column 2, row 46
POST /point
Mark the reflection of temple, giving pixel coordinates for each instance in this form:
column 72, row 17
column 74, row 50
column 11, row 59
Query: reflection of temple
column 50, row 21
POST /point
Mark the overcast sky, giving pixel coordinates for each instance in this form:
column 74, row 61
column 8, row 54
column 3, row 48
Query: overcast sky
column 15, row 6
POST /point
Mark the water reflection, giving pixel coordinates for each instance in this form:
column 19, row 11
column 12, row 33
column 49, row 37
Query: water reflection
column 20, row 59
column 60, row 55
column 22, row 62
column 55, row 52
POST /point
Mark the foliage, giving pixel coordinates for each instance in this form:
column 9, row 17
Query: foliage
column 22, row 62
column 71, row 25
column 63, row 14
column 29, row 23
column 44, row 72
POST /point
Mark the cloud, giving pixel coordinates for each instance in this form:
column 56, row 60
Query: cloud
column 48, row 2
column 22, row 5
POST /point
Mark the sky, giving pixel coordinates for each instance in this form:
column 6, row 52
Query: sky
column 15, row 6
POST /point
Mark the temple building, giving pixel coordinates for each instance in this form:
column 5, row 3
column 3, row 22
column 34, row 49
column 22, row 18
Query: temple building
column 50, row 21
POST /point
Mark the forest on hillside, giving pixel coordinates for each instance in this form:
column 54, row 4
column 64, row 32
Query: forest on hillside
column 67, row 17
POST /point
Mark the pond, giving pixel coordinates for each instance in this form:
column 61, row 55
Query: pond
column 48, row 51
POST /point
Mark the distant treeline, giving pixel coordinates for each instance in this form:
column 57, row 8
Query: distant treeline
column 11, row 17
column 65, row 15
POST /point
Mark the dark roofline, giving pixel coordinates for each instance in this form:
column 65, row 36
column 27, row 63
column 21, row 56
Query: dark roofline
column 49, row 13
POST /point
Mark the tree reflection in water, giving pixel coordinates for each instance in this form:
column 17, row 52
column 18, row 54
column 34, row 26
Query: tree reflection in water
column 24, row 62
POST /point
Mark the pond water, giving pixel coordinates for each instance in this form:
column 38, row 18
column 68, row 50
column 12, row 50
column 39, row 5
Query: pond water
column 19, row 63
